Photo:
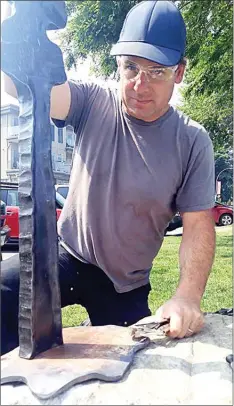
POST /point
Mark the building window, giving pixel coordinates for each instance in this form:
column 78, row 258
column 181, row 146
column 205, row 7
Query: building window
column 15, row 121
column 60, row 135
column 14, row 148
column 52, row 132
column 70, row 140
column 12, row 198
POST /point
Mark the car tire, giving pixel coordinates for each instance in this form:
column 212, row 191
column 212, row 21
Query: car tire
column 225, row 220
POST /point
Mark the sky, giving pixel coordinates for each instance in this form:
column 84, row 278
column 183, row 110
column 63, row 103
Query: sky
column 81, row 73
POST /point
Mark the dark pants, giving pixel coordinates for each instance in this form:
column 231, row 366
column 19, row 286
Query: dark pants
column 80, row 283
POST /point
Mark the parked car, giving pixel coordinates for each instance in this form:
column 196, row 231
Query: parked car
column 175, row 223
column 222, row 214
column 9, row 194
column 62, row 190
column 5, row 230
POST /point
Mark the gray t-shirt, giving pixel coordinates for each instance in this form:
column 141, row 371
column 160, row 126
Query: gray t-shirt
column 128, row 179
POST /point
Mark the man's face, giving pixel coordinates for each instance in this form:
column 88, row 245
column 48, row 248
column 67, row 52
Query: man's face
column 146, row 93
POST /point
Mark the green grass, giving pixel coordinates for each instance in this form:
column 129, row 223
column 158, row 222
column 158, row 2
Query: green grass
column 165, row 275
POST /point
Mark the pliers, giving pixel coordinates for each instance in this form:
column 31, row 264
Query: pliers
column 142, row 330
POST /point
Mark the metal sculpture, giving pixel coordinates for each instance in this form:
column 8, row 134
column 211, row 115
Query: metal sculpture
column 35, row 65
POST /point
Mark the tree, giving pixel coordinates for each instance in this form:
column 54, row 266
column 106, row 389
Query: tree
column 207, row 95
column 224, row 173
column 94, row 25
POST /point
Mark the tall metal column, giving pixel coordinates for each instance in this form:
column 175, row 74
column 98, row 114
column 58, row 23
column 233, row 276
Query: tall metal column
column 35, row 65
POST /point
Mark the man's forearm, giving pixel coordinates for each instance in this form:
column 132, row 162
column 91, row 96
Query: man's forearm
column 196, row 257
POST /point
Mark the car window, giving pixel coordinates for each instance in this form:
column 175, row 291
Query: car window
column 63, row 190
column 3, row 195
column 12, row 198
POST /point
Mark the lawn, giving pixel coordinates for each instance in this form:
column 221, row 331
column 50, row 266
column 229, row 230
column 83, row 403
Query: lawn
column 165, row 274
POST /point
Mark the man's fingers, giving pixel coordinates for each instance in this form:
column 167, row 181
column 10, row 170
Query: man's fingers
column 185, row 317
column 176, row 325
column 195, row 326
column 162, row 314
column 159, row 313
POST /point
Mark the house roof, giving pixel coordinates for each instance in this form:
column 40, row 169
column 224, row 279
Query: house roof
column 9, row 108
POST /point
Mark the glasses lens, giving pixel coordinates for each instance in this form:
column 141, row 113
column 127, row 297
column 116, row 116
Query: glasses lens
column 157, row 74
column 130, row 70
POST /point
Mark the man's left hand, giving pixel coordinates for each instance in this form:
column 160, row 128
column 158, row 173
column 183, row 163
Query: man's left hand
column 185, row 316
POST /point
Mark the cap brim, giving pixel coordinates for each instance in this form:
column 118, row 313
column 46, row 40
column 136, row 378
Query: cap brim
column 161, row 55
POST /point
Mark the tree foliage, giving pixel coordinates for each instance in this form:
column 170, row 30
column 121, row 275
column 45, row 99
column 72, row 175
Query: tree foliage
column 207, row 96
column 94, row 26
column 224, row 173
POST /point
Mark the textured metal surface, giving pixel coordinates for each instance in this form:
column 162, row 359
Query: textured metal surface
column 104, row 353
column 148, row 329
column 35, row 64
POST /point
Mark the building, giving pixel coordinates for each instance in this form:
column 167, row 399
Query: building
column 61, row 151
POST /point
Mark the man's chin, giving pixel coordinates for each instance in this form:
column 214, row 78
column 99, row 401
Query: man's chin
column 139, row 114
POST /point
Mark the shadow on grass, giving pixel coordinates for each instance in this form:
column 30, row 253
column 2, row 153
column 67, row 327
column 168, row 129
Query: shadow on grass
column 225, row 255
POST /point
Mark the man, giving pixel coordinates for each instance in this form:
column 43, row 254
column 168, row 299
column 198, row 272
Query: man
column 136, row 162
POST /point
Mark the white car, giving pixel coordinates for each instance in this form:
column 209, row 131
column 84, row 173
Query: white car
column 62, row 190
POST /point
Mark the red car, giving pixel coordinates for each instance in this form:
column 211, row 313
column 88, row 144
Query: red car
column 5, row 230
column 223, row 215
column 9, row 194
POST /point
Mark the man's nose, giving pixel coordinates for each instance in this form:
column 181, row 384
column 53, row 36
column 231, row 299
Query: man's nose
column 141, row 81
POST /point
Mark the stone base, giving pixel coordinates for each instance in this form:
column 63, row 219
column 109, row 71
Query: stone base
column 103, row 353
column 191, row 371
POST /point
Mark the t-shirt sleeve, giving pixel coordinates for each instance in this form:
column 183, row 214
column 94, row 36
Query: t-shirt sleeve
column 197, row 191
column 80, row 95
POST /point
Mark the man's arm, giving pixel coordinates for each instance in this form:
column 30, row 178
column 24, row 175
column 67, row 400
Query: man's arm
column 196, row 253
column 60, row 98
column 196, row 257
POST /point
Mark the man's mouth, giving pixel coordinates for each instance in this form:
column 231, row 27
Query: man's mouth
column 142, row 101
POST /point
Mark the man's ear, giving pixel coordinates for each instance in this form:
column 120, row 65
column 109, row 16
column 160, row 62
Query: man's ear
column 180, row 73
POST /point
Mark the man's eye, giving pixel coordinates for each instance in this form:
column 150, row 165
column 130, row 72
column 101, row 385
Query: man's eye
column 157, row 72
column 132, row 68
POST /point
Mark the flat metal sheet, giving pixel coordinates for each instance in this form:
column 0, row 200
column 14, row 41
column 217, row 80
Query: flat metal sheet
column 103, row 352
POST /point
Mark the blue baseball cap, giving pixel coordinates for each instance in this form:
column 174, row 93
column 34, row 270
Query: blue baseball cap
column 153, row 30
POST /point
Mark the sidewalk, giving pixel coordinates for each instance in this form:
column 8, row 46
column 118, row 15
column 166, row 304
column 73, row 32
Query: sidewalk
column 6, row 255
